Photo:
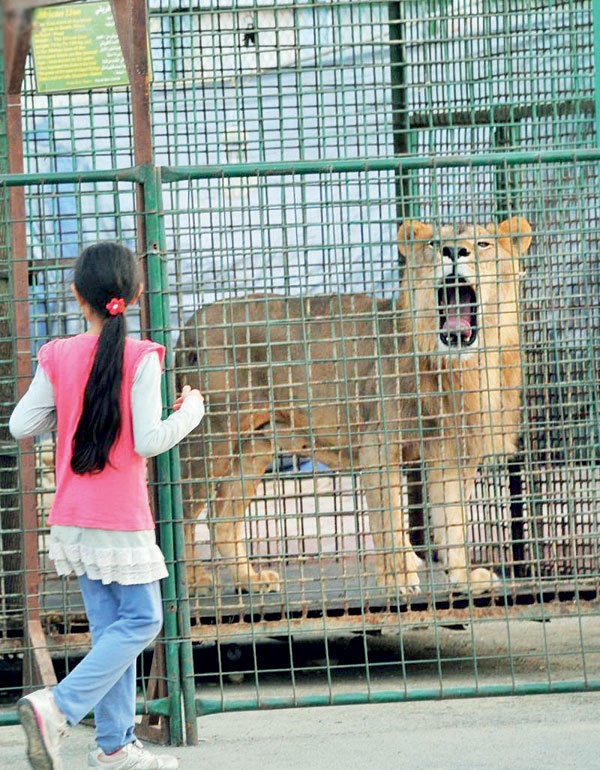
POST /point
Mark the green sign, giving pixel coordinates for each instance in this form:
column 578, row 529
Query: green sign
column 76, row 47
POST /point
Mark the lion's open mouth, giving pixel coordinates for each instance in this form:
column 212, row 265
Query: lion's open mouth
column 457, row 307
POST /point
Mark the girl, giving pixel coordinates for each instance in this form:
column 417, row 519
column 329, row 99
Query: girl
column 101, row 392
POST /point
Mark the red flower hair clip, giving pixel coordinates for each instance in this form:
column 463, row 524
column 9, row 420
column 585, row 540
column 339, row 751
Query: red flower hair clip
column 116, row 306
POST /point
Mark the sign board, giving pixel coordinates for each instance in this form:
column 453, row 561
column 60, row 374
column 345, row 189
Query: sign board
column 76, row 47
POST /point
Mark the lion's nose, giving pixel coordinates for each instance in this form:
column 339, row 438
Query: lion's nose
column 454, row 254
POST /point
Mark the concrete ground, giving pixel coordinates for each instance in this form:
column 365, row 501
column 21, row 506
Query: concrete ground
column 539, row 732
column 545, row 732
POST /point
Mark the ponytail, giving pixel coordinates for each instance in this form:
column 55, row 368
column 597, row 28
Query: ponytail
column 100, row 421
column 104, row 272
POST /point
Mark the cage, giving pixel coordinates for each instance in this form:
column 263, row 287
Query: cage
column 289, row 143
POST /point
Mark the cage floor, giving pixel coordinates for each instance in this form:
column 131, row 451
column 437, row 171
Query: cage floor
column 334, row 595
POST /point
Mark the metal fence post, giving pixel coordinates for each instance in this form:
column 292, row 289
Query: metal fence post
column 596, row 38
column 180, row 667
column 158, row 331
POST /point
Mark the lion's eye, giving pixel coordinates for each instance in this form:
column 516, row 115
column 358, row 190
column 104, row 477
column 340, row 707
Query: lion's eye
column 434, row 245
column 483, row 244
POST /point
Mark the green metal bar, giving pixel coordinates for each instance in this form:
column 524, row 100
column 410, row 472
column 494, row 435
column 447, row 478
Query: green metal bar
column 156, row 311
column 411, row 189
column 158, row 707
column 177, row 174
column 214, row 706
column 596, row 25
column 157, row 238
column 184, row 612
column 399, row 107
column 504, row 181
column 131, row 174
column 500, row 114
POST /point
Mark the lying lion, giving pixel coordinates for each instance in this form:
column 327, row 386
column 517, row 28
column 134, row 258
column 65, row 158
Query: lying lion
column 365, row 384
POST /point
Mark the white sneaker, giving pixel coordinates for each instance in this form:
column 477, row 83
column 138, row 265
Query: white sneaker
column 44, row 725
column 133, row 756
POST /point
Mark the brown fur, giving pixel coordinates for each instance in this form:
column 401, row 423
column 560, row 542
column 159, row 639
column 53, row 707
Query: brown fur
column 364, row 384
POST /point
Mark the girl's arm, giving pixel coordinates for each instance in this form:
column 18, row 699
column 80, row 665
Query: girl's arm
column 36, row 411
column 152, row 435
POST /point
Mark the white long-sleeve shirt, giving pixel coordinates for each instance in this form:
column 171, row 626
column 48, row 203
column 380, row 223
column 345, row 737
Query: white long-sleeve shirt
column 36, row 411
column 107, row 555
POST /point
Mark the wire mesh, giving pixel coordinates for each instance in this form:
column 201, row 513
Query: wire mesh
column 244, row 94
column 536, row 295
column 365, row 81
column 96, row 210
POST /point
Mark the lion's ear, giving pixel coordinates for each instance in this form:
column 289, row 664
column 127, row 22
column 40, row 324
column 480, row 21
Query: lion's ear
column 412, row 231
column 515, row 234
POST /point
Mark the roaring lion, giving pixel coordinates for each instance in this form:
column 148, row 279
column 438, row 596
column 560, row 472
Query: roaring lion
column 364, row 384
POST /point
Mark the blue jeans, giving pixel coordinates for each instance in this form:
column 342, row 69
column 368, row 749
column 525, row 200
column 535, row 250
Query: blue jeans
column 123, row 622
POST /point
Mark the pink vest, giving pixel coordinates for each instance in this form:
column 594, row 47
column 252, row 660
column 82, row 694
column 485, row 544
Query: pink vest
column 116, row 498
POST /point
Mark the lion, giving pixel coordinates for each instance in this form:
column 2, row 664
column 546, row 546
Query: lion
column 431, row 377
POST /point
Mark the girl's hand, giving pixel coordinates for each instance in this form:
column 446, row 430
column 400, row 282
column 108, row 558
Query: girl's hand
column 186, row 392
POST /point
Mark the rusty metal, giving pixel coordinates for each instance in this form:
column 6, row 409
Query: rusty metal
column 17, row 39
column 38, row 667
column 131, row 19
column 536, row 606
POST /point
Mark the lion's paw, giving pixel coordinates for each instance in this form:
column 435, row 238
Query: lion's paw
column 477, row 581
column 264, row 581
column 483, row 581
column 405, row 583
column 200, row 581
column 269, row 581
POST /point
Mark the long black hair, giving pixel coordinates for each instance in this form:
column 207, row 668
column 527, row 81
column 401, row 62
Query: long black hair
column 103, row 272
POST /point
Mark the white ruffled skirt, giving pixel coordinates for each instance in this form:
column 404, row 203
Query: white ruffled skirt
column 111, row 556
